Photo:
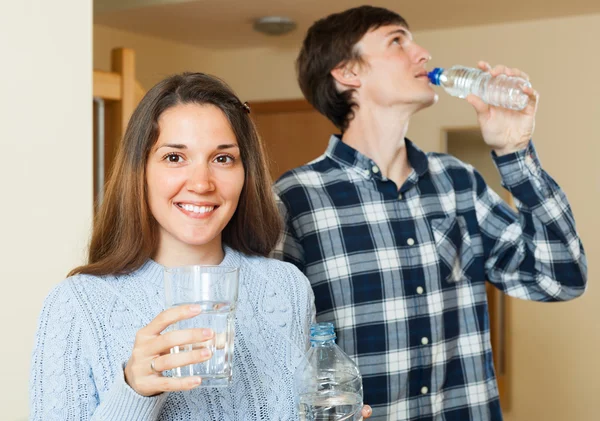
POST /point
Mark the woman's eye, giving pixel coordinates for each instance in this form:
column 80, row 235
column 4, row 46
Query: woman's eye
column 173, row 157
column 224, row 159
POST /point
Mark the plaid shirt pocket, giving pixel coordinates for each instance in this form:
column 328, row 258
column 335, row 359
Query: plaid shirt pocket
column 453, row 244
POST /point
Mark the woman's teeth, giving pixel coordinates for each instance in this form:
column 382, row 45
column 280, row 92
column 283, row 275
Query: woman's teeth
column 197, row 209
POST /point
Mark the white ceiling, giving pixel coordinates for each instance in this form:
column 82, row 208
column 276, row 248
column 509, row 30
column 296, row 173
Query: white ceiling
column 228, row 23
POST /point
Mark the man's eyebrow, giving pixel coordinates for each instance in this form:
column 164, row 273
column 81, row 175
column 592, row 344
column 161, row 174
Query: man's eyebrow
column 400, row 31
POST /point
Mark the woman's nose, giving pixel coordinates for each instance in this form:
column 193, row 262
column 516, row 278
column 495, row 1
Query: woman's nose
column 200, row 180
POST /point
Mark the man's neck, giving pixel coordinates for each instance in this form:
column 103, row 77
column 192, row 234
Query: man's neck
column 379, row 135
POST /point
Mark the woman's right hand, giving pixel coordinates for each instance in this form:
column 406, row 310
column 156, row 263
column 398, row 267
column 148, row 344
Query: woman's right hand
column 150, row 345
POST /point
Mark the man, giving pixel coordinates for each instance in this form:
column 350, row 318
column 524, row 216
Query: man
column 397, row 243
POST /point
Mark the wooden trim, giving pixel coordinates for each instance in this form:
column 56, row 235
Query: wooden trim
column 107, row 85
column 123, row 63
column 121, row 94
column 504, row 379
column 507, row 388
column 139, row 92
column 444, row 135
column 284, row 106
column 118, row 112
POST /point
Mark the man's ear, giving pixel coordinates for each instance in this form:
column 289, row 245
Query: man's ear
column 346, row 75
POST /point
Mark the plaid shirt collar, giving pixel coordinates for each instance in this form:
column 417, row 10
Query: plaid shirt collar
column 348, row 157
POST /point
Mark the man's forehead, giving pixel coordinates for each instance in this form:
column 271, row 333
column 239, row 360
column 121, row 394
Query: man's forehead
column 390, row 30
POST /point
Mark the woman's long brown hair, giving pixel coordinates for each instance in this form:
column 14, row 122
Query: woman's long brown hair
column 125, row 234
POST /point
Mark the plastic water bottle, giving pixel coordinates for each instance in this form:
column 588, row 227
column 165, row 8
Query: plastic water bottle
column 327, row 382
column 502, row 91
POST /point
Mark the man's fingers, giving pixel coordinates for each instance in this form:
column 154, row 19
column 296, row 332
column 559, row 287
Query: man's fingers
column 484, row 65
column 497, row 70
column 477, row 103
column 501, row 69
column 519, row 73
column 534, row 98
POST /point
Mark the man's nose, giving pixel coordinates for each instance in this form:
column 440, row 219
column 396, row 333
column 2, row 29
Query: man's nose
column 421, row 55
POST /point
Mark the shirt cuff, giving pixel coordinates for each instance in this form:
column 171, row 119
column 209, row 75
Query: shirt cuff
column 123, row 403
column 522, row 174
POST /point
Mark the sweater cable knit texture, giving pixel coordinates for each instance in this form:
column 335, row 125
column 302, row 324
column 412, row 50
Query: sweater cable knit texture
column 87, row 329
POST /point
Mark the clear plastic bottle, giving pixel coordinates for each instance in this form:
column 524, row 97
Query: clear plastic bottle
column 502, row 91
column 327, row 382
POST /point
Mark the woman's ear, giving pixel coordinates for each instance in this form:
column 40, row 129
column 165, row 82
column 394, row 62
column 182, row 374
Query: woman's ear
column 346, row 75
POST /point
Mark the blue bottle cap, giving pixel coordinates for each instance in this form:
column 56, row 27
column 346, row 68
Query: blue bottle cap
column 322, row 332
column 434, row 75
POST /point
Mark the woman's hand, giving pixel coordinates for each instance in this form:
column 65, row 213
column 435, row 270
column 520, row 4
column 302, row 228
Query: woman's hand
column 151, row 353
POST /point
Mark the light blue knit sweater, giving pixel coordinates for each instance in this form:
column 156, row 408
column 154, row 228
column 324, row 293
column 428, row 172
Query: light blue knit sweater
column 87, row 329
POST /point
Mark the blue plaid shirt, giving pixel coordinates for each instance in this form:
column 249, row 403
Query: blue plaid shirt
column 401, row 272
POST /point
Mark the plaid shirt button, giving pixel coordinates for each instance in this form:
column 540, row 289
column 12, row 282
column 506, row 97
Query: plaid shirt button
column 424, row 390
column 399, row 196
column 420, row 290
column 410, row 242
column 424, row 341
column 375, row 169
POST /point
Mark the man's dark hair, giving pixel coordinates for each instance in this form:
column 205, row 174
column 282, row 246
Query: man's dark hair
column 329, row 42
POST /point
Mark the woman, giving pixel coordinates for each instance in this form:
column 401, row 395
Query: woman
column 190, row 186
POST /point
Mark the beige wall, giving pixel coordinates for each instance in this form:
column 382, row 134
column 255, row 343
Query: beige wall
column 243, row 69
column 46, row 120
column 555, row 345
column 469, row 147
column 155, row 58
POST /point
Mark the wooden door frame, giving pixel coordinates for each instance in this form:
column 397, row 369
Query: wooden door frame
column 280, row 106
column 500, row 337
column 119, row 93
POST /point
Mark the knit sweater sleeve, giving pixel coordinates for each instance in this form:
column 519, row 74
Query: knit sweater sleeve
column 62, row 385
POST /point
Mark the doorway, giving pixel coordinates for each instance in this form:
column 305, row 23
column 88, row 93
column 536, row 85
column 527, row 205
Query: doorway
column 467, row 145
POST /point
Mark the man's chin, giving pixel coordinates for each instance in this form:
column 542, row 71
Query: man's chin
column 428, row 101
column 432, row 100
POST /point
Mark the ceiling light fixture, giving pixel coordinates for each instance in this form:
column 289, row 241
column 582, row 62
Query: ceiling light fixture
column 274, row 25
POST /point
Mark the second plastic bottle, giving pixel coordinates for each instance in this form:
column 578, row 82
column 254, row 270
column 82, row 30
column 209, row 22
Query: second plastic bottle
column 327, row 382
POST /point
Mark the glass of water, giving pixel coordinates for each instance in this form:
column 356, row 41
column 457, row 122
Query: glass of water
column 215, row 289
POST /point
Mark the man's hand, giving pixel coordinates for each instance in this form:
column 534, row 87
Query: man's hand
column 505, row 130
